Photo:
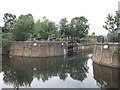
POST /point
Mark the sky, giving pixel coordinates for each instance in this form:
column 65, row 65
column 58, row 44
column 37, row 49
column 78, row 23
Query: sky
column 95, row 11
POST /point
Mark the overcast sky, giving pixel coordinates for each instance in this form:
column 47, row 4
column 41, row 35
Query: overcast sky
column 94, row 10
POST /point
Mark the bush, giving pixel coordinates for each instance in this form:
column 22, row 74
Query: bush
column 6, row 37
column 78, row 40
column 86, row 39
column 59, row 39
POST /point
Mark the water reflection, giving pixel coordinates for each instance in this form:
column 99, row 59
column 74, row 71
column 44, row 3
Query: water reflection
column 0, row 63
column 20, row 71
column 106, row 77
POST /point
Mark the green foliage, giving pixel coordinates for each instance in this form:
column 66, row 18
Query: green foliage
column 60, row 39
column 9, row 20
column 23, row 28
column 112, row 23
column 53, row 30
column 45, row 28
column 6, row 37
column 54, row 33
column 79, row 26
column 87, row 38
column 113, row 26
column 16, row 29
column 37, row 28
column 63, row 24
column 82, row 39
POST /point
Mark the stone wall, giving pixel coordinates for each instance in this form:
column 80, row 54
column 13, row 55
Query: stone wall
column 44, row 49
column 83, row 47
column 37, row 49
column 107, row 54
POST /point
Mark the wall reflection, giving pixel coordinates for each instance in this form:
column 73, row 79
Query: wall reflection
column 0, row 63
column 20, row 71
column 106, row 77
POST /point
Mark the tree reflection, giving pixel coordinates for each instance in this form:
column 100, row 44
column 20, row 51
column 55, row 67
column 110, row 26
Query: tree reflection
column 77, row 68
column 16, row 73
column 20, row 71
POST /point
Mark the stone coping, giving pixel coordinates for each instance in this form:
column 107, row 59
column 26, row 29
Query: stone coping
column 35, row 42
column 118, row 44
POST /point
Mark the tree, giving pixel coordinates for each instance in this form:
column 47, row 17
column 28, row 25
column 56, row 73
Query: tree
column 79, row 26
column 23, row 28
column 117, row 21
column 63, row 24
column 45, row 28
column 52, row 29
column 6, row 38
column 37, row 27
column 41, row 28
column 9, row 21
column 112, row 23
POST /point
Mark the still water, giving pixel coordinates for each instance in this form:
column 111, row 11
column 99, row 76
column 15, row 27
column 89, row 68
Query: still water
column 71, row 71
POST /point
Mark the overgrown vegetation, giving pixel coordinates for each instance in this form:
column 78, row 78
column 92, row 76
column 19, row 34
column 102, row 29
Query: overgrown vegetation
column 25, row 28
column 87, row 38
column 112, row 24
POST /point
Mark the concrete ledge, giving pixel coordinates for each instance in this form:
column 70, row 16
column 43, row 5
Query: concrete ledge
column 115, row 44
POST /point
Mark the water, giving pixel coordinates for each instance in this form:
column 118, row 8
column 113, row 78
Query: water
column 70, row 71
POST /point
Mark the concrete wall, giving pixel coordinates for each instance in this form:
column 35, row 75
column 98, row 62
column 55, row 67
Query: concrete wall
column 83, row 47
column 44, row 49
column 107, row 54
column 37, row 49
